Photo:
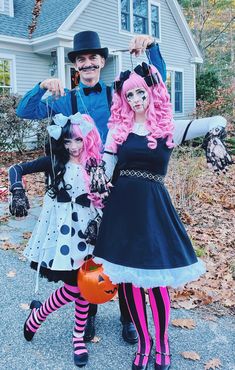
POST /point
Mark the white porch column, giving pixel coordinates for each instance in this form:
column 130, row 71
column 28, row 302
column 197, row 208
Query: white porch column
column 61, row 63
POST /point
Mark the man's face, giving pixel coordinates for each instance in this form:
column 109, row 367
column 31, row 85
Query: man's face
column 89, row 66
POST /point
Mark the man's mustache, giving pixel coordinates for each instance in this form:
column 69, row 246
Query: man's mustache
column 88, row 68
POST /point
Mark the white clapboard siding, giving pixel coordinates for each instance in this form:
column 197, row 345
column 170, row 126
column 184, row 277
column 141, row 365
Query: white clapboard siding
column 30, row 69
column 102, row 16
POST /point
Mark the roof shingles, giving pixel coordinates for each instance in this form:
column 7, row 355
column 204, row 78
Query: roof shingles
column 53, row 14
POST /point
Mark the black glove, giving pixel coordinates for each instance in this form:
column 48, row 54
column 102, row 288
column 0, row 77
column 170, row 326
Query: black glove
column 99, row 180
column 19, row 203
column 216, row 152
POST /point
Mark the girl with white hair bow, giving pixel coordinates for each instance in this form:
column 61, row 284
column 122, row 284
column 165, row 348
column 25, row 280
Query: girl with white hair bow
column 59, row 244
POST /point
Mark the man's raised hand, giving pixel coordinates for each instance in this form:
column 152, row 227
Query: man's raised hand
column 139, row 44
column 54, row 85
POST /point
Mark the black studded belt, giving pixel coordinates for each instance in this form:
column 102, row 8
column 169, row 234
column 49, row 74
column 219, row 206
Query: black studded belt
column 143, row 174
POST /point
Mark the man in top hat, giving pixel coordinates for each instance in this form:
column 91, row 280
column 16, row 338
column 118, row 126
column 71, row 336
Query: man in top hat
column 93, row 97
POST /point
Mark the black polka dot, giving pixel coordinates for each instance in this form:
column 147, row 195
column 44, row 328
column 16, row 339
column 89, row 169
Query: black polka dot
column 43, row 264
column 80, row 234
column 72, row 231
column 75, row 216
column 64, row 250
column 50, row 263
column 72, row 262
column 64, row 229
column 82, row 246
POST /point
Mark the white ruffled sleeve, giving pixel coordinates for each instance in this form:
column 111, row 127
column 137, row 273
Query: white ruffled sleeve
column 109, row 156
column 198, row 127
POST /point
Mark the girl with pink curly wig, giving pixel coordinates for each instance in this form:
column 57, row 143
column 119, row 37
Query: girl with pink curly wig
column 59, row 244
column 142, row 243
column 158, row 114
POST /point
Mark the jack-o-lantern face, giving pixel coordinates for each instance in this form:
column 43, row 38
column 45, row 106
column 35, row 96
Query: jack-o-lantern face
column 94, row 284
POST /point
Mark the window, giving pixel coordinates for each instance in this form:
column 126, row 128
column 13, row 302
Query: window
column 125, row 15
column 174, row 85
column 5, row 78
column 140, row 16
column 178, row 92
column 155, row 21
column 168, row 82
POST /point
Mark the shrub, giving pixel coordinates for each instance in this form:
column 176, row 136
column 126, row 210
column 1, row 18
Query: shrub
column 222, row 104
column 207, row 84
column 15, row 131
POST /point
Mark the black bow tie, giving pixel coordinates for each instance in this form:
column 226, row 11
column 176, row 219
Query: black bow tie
column 96, row 88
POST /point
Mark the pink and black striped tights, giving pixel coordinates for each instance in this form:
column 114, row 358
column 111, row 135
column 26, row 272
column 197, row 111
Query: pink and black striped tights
column 160, row 306
column 60, row 297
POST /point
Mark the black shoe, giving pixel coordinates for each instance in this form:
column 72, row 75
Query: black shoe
column 138, row 367
column 162, row 367
column 129, row 333
column 89, row 329
column 28, row 334
column 143, row 367
column 81, row 360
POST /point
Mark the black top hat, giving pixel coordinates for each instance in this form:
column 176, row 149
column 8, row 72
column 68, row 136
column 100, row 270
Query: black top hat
column 87, row 42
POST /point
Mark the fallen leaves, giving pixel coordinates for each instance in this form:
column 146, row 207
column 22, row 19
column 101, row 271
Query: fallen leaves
column 4, row 218
column 194, row 356
column 34, row 183
column 207, row 208
column 95, row 339
column 6, row 245
column 24, row 306
column 184, row 323
column 27, row 235
column 11, row 274
column 3, row 193
column 213, row 364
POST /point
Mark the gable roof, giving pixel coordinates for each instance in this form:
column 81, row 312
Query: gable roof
column 53, row 14
column 57, row 16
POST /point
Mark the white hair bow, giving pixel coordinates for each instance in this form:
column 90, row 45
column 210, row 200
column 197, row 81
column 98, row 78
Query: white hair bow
column 60, row 121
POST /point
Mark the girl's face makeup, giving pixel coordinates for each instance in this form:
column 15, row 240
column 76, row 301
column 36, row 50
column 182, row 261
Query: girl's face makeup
column 138, row 99
column 74, row 146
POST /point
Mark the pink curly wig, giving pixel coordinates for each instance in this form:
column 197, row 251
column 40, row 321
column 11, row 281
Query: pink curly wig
column 92, row 147
column 159, row 121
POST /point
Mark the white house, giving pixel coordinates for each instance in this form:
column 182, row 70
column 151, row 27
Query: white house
column 25, row 61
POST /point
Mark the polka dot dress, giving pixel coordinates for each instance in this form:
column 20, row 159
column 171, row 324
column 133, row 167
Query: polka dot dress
column 57, row 242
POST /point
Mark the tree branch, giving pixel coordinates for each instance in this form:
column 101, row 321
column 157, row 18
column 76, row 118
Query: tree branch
column 220, row 33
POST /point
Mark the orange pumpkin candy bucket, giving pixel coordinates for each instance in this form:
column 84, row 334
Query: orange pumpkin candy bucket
column 94, row 284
